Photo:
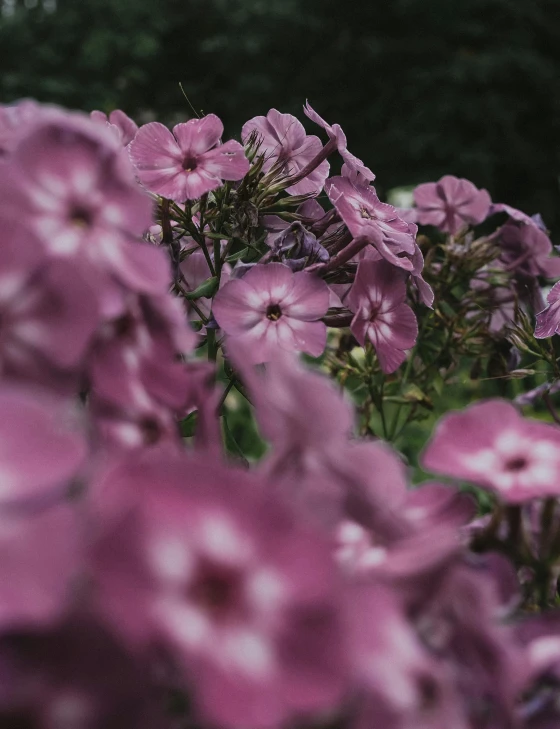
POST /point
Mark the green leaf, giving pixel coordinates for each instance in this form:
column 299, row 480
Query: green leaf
column 207, row 288
column 188, row 424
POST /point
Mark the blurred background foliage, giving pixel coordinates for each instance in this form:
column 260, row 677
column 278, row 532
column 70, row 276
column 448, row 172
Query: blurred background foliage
column 421, row 87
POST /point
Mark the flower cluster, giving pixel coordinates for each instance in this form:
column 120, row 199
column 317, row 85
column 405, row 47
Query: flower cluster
column 158, row 574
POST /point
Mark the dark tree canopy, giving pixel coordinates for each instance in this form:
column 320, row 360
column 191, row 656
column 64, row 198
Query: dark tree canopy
column 421, row 87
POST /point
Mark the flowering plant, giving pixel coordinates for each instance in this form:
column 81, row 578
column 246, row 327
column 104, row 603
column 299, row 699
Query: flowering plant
column 200, row 526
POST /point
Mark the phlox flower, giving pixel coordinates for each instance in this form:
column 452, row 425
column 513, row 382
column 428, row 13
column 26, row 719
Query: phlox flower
column 548, row 320
column 244, row 595
column 81, row 200
column 273, row 307
column 120, row 124
column 381, row 315
column 354, row 165
column 284, row 144
column 492, row 445
column 526, row 250
column 451, row 204
column 189, row 162
column 367, row 217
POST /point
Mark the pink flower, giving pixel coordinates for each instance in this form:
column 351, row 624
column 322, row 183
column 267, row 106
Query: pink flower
column 272, row 307
column 492, row 445
column 381, row 315
column 188, row 163
column 526, row 250
column 242, row 594
column 121, row 125
column 81, row 199
column 548, row 320
column 367, row 217
column 451, row 204
column 286, row 146
column 354, row 165
column 15, row 120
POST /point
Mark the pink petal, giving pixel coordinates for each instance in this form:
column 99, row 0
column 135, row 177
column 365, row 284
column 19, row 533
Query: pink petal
column 226, row 162
column 308, row 299
column 197, row 136
column 310, row 336
column 234, row 307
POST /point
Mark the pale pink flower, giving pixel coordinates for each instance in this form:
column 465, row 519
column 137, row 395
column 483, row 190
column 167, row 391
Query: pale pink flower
column 381, row 315
column 273, row 307
column 451, row 204
column 287, row 147
column 492, row 445
column 189, row 162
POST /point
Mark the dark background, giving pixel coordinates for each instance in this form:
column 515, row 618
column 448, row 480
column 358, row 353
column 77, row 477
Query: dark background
column 421, row 87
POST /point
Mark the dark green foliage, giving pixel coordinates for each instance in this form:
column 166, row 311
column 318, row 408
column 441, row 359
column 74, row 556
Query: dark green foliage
column 422, row 87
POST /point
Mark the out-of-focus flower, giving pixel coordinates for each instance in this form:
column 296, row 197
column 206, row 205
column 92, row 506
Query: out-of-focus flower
column 273, row 307
column 120, row 124
column 41, row 445
column 75, row 676
column 189, row 162
column 381, row 315
column 15, row 120
column 492, row 445
column 244, row 595
column 367, row 217
column 41, row 553
column 451, row 204
column 81, row 200
column 354, row 165
column 286, row 147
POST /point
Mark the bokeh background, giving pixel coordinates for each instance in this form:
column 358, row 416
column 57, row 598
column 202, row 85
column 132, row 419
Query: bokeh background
column 421, row 87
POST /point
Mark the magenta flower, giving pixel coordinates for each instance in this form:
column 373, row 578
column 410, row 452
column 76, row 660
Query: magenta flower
column 492, row 445
column 548, row 321
column 15, row 120
column 272, row 307
column 367, row 217
column 354, row 165
column 377, row 298
column 288, row 148
column 189, row 162
column 244, row 596
column 451, row 204
column 526, row 250
column 120, row 124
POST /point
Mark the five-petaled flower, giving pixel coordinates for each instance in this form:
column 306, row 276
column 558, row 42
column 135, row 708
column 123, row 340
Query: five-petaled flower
column 451, row 204
column 189, row 162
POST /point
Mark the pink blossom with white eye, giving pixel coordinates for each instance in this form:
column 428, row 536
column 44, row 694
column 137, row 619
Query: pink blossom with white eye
column 271, row 307
column 377, row 298
column 189, row 162
column 492, row 445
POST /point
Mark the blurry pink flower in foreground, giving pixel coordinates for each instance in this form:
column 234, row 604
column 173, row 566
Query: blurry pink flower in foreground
column 492, row 445
column 244, row 595
column 548, row 321
column 273, row 307
column 283, row 141
column 120, row 124
column 451, row 204
column 381, row 315
column 189, row 162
